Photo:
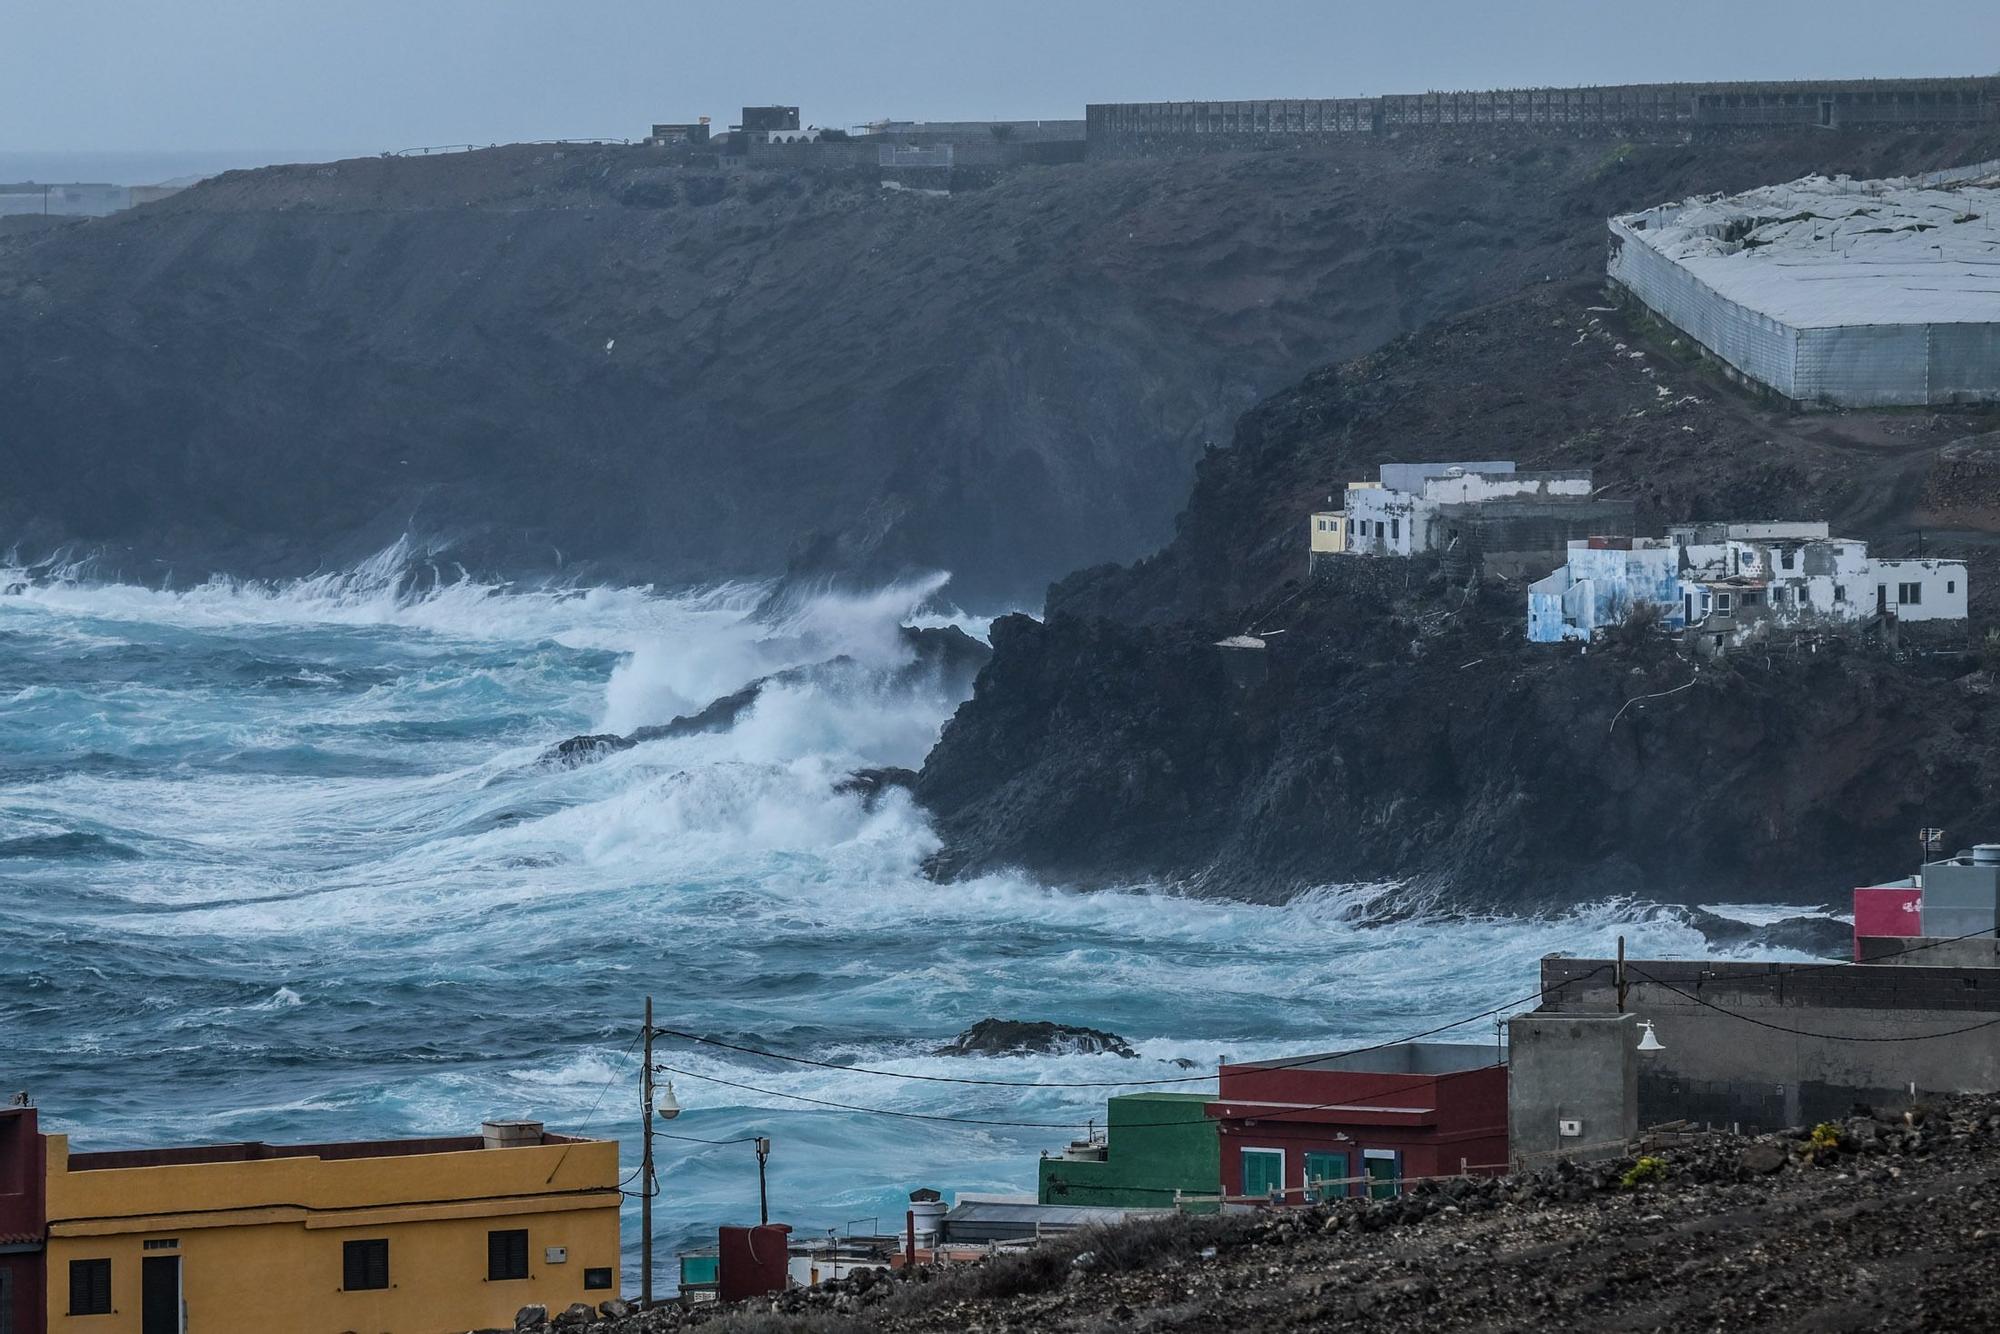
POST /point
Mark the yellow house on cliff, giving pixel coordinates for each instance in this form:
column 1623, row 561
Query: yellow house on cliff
column 422, row 1236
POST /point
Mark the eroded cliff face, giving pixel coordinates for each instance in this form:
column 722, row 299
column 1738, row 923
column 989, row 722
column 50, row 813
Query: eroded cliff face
column 587, row 362
column 1400, row 729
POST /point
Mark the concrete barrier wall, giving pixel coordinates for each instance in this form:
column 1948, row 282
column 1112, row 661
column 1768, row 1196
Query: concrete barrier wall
column 1785, row 1044
column 1727, row 105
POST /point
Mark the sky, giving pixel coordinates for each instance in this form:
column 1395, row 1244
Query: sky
column 363, row 76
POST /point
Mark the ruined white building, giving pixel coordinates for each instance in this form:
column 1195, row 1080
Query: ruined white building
column 1726, row 583
column 1509, row 521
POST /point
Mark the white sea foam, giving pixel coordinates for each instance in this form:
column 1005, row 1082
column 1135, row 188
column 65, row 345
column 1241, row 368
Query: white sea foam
column 336, row 782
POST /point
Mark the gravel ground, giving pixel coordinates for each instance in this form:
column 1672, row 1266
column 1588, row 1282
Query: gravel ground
column 1879, row 1224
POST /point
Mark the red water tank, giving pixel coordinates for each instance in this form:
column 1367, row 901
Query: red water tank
column 1887, row 911
column 753, row 1260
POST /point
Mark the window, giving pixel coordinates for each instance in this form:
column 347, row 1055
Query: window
column 1263, row 1171
column 597, row 1278
column 507, row 1254
column 364, row 1265
column 1384, row 1170
column 90, row 1287
column 1330, row 1168
column 1910, row 595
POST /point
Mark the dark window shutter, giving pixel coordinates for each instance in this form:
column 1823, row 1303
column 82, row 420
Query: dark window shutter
column 90, row 1287
column 365, row 1265
column 507, row 1254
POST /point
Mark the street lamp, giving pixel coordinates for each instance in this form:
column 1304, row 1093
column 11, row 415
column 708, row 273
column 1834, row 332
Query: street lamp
column 666, row 1106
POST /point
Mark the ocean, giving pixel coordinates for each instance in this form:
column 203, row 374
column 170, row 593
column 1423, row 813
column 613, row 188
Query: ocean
column 283, row 862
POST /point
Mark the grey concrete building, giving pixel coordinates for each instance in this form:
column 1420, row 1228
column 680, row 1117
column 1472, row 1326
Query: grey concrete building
column 1572, row 1085
column 1770, row 1045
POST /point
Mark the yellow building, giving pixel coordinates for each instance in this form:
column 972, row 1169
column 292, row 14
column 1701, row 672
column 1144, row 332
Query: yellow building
column 426, row 1236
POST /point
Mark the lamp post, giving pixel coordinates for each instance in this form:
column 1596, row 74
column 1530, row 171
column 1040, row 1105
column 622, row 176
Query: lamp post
column 763, row 1143
column 666, row 1106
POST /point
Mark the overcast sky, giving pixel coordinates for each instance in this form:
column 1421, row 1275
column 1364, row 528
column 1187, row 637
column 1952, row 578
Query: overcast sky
column 366, row 75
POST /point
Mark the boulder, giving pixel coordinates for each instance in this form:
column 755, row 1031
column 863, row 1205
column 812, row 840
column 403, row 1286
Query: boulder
column 1028, row 1037
column 1762, row 1158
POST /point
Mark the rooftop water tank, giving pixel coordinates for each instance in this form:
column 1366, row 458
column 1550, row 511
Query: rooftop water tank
column 511, row 1134
column 925, row 1218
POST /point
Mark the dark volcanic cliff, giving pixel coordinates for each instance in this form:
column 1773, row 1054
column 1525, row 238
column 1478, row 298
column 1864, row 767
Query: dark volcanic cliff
column 1405, row 731
column 585, row 360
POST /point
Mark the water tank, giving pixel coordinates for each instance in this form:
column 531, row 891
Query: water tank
column 754, row 1260
column 927, row 1216
column 511, row 1134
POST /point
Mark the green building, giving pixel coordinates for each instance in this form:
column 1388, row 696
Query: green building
column 1154, row 1144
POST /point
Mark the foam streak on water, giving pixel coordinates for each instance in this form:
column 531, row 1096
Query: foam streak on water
column 279, row 862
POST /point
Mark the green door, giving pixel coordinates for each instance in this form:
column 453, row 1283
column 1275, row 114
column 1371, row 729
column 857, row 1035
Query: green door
column 1263, row 1171
column 1384, row 1169
column 1327, row 1167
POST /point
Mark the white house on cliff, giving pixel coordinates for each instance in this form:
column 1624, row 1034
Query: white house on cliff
column 1725, row 583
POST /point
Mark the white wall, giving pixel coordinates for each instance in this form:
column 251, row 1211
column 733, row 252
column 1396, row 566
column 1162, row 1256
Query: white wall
column 1388, row 523
column 1939, row 586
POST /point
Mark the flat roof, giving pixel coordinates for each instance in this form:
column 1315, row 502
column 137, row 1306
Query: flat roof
column 256, row 1151
column 1402, row 1058
column 1826, row 252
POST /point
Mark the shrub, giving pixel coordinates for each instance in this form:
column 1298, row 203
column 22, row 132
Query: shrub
column 1648, row 1169
column 1989, row 653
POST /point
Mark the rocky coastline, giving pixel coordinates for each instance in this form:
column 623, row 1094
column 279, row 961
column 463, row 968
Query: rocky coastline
column 1395, row 728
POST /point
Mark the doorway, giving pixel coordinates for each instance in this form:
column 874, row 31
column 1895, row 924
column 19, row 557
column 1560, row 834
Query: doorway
column 160, row 1295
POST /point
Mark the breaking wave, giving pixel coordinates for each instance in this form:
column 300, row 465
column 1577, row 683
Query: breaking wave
column 297, row 832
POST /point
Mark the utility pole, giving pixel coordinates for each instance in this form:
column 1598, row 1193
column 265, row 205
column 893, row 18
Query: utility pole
column 646, row 1167
column 763, row 1196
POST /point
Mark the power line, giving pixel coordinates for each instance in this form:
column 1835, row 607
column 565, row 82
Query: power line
column 1348, row 1101
column 1072, row 1125
column 591, row 1115
column 875, row 1111
column 1099, row 1083
column 696, row 1139
column 1807, row 1033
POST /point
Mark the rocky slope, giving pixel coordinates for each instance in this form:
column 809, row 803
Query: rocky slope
column 585, row 361
column 1402, row 728
column 1874, row 1223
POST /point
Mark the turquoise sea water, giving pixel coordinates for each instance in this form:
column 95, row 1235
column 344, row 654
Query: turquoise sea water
column 281, row 862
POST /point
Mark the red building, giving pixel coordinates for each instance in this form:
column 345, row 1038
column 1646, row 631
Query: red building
column 1416, row 1109
column 24, row 1221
